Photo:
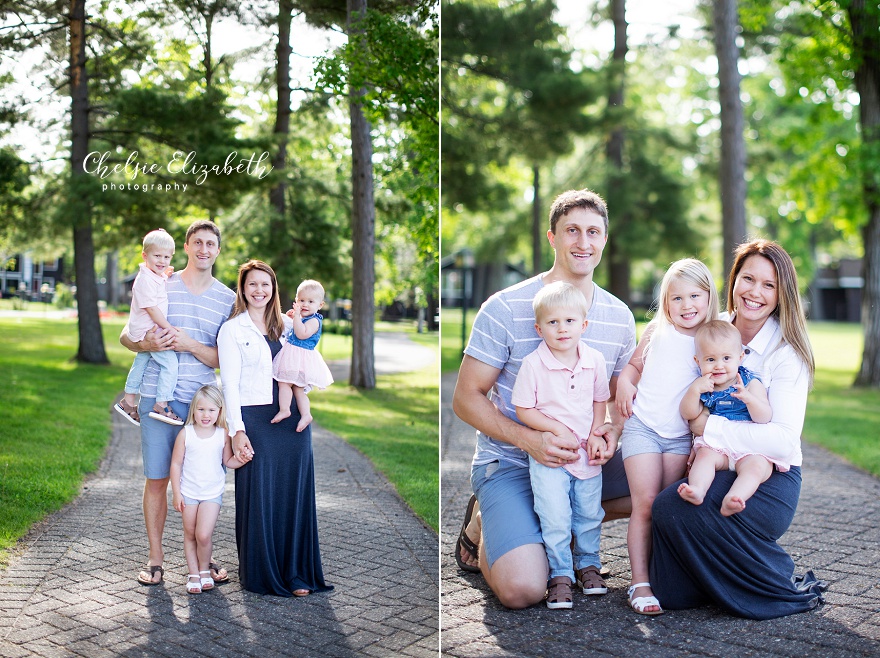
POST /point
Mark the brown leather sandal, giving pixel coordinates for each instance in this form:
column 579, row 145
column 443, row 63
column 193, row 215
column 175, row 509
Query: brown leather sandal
column 559, row 593
column 590, row 580
column 130, row 413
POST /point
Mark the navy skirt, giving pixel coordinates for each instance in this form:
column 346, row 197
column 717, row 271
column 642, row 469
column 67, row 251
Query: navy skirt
column 276, row 520
column 734, row 562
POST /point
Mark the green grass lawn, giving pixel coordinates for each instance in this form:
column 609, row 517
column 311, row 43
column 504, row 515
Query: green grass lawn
column 839, row 417
column 55, row 421
column 395, row 424
column 451, row 347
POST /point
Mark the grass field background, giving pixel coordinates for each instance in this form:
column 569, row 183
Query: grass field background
column 55, row 418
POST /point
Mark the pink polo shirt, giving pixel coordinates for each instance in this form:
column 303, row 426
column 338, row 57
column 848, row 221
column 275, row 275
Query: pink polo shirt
column 148, row 290
column 564, row 394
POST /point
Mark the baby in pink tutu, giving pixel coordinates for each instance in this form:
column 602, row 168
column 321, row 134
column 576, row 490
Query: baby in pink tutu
column 299, row 367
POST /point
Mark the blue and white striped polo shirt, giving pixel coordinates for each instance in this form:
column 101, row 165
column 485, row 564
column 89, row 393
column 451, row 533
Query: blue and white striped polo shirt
column 504, row 333
column 200, row 316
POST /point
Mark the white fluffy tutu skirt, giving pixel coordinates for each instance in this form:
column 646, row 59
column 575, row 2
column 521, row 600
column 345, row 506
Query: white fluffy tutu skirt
column 301, row 367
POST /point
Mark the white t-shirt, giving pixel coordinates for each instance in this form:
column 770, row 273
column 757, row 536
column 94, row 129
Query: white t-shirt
column 668, row 371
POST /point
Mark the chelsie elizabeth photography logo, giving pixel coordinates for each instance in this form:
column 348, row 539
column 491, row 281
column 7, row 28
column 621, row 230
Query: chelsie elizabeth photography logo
column 103, row 166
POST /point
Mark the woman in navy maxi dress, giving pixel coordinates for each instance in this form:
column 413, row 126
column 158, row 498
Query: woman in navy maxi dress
column 276, row 523
column 735, row 562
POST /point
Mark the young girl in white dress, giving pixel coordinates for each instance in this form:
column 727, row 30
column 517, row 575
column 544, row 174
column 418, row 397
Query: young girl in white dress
column 198, row 479
column 299, row 367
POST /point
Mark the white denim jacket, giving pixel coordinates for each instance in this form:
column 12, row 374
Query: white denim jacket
column 245, row 367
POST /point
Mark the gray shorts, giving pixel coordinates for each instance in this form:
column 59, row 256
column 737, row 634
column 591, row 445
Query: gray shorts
column 638, row 439
column 157, row 438
column 507, row 507
column 194, row 501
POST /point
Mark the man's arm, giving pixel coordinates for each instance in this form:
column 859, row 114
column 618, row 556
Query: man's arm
column 469, row 402
column 156, row 340
column 182, row 342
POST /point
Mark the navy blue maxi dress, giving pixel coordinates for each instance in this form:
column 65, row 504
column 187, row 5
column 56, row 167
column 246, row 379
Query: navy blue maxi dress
column 701, row 557
column 276, row 521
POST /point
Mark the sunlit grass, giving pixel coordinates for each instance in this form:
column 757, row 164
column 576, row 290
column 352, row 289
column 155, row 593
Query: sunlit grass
column 395, row 424
column 55, row 420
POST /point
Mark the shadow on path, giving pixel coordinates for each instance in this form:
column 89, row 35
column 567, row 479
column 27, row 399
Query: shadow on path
column 70, row 588
column 836, row 532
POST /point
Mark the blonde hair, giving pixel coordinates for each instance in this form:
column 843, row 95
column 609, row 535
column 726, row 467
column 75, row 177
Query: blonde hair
column 159, row 238
column 717, row 331
column 692, row 271
column 310, row 284
column 212, row 394
column 558, row 294
column 272, row 312
column 789, row 311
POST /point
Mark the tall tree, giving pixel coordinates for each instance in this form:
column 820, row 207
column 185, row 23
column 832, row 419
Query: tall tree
column 511, row 92
column 363, row 230
column 91, row 340
column 281, row 131
column 864, row 20
column 732, row 176
column 618, row 261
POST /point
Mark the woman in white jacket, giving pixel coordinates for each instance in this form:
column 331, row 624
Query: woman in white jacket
column 276, row 525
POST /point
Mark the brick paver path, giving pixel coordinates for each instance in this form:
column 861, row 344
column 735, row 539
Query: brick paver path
column 836, row 532
column 70, row 589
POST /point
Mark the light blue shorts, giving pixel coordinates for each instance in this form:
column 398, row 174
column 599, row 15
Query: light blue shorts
column 157, row 438
column 638, row 439
column 193, row 501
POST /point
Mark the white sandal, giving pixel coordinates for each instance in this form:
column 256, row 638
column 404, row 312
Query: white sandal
column 639, row 603
column 206, row 581
column 193, row 586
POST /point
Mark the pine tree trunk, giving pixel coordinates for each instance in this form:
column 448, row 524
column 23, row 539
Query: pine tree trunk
column 618, row 260
column 537, row 234
column 363, row 372
column 732, row 179
column 91, row 340
column 865, row 22
column 278, row 192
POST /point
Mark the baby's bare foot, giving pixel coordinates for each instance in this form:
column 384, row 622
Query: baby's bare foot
column 304, row 422
column 281, row 415
column 691, row 494
column 732, row 505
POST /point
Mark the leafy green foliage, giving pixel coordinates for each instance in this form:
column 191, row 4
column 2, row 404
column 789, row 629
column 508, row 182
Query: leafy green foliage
column 508, row 90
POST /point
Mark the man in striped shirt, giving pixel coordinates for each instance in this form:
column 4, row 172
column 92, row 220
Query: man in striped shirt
column 505, row 533
column 197, row 305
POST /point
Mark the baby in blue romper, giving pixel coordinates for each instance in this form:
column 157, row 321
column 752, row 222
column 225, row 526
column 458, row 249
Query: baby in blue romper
column 726, row 388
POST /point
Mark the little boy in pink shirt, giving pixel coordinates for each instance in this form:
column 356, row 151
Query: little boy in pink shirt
column 149, row 308
column 562, row 388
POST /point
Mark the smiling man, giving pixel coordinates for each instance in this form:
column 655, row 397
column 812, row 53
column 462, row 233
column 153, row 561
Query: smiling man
column 501, row 536
column 197, row 305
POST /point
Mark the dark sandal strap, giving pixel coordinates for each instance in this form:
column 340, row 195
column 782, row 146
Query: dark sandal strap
column 559, row 590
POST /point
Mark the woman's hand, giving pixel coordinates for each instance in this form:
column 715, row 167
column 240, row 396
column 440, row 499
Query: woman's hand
column 241, row 447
